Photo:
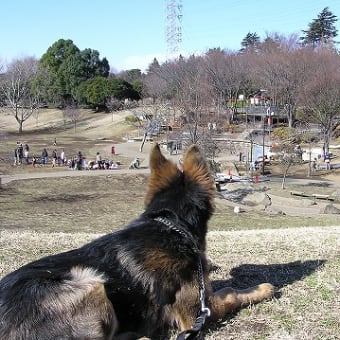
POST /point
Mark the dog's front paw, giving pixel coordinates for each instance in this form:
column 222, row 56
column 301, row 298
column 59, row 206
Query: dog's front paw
column 266, row 290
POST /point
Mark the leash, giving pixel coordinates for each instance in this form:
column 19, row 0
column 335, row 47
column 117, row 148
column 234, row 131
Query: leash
column 205, row 312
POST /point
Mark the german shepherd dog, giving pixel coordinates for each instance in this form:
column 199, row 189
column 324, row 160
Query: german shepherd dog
column 143, row 280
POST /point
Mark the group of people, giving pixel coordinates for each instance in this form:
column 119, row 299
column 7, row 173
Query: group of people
column 56, row 159
column 78, row 162
column 22, row 156
column 102, row 164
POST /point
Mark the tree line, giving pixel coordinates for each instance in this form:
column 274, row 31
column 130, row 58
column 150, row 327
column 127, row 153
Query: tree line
column 301, row 75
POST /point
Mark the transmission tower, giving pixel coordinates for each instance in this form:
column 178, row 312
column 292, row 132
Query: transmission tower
column 173, row 27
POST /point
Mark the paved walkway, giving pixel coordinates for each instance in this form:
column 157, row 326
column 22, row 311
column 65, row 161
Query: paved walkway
column 68, row 173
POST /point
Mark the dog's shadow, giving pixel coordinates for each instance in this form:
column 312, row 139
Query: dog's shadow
column 279, row 275
column 249, row 275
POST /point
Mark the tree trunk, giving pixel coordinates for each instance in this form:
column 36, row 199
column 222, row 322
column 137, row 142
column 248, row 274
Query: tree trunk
column 143, row 141
column 327, row 139
column 285, row 172
column 283, row 182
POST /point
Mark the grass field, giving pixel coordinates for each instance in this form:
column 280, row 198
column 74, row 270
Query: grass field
column 300, row 255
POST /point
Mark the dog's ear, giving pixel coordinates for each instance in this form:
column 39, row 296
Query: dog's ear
column 162, row 172
column 196, row 167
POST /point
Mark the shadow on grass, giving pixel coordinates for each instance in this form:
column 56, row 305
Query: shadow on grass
column 249, row 275
column 279, row 275
column 321, row 184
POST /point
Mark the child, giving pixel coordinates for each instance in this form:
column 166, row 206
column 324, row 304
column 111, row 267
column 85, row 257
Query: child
column 34, row 161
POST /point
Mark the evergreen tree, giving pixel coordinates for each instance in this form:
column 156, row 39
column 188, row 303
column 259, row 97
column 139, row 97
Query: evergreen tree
column 321, row 30
column 154, row 67
column 250, row 42
column 64, row 67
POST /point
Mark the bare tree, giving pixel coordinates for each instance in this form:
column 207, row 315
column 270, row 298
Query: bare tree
column 155, row 83
column 73, row 113
column 113, row 104
column 152, row 127
column 288, row 157
column 17, row 89
column 192, row 95
column 320, row 95
column 156, row 120
column 286, row 161
column 2, row 95
column 226, row 76
column 280, row 69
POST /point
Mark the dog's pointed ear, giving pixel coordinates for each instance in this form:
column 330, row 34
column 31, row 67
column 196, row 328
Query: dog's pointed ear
column 162, row 171
column 157, row 160
column 196, row 167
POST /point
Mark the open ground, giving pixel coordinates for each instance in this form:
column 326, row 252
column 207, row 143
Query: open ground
column 290, row 241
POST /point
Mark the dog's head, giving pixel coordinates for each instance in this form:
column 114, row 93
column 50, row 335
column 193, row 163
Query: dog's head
column 188, row 192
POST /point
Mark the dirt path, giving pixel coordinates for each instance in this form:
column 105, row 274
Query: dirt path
column 69, row 173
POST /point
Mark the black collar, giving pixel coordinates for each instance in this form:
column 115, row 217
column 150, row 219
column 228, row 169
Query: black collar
column 179, row 229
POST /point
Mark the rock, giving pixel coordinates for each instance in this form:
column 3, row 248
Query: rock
column 330, row 209
column 274, row 210
column 307, row 203
column 257, row 198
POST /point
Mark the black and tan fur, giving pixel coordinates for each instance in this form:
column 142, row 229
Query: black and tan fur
column 139, row 281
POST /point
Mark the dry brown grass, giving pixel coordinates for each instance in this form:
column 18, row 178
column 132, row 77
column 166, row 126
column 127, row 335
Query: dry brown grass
column 303, row 263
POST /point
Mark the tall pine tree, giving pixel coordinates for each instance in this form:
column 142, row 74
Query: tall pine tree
column 321, row 30
column 250, row 42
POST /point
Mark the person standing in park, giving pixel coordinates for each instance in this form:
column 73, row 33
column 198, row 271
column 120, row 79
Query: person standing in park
column 79, row 161
column 44, row 157
column 328, row 161
column 54, row 158
column 62, row 157
column 15, row 156
column 34, row 161
column 26, row 153
column 99, row 160
column 20, row 154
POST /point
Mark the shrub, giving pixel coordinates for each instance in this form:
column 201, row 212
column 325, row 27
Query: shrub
column 131, row 119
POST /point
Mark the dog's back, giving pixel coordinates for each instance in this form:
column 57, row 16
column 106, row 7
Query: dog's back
column 51, row 299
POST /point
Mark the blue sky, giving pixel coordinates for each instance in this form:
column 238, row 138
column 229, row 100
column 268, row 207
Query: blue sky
column 130, row 33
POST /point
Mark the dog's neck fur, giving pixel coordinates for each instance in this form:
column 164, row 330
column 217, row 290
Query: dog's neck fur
column 179, row 229
column 204, row 312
